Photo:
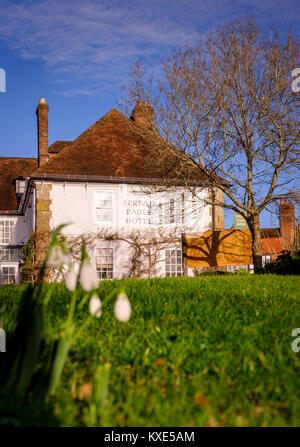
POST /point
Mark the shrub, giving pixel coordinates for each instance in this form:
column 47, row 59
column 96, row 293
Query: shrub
column 241, row 271
column 287, row 263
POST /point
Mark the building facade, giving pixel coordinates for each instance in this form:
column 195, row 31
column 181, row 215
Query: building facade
column 100, row 185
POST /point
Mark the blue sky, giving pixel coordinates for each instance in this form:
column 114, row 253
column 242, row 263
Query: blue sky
column 76, row 53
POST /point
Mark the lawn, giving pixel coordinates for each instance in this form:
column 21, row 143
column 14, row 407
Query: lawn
column 205, row 351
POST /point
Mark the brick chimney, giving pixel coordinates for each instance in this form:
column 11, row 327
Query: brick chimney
column 287, row 224
column 42, row 122
column 142, row 114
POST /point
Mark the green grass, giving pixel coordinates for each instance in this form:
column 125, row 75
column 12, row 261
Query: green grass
column 199, row 351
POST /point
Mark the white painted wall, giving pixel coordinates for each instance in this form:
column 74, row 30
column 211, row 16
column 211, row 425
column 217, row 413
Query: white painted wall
column 134, row 208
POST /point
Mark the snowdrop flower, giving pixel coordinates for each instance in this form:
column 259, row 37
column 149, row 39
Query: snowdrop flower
column 95, row 306
column 71, row 279
column 57, row 257
column 88, row 276
column 122, row 307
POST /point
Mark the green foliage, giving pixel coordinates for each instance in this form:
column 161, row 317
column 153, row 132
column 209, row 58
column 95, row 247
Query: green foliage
column 287, row 263
column 196, row 352
column 98, row 395
column 33, row 360
column 241, row 271
column 214, row 272
column 27, row 344
column 28, row 255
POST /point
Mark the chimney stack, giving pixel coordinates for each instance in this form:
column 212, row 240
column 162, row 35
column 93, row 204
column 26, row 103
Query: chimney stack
column 287, row 224
column 42, row 122
column 142, row 114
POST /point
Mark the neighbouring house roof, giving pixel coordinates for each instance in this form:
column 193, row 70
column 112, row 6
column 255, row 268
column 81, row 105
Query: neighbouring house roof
column 271, row 246
column 12, row 168
column 271, row 241
column 270, row 233
column 114, row 146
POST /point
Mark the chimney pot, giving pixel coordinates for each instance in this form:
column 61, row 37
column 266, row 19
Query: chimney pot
column 142, row 114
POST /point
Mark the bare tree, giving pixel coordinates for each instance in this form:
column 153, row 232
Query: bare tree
column 144, row 249
column 226, row 108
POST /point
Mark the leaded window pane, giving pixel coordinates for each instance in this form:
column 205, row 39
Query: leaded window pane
column 7, row 231
column 173, row 262
column 104, row 262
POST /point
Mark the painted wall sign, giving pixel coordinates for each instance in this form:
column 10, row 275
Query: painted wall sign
column 240, row 222
column 138, row 212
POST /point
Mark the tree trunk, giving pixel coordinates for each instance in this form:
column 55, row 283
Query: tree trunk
column 254, row 227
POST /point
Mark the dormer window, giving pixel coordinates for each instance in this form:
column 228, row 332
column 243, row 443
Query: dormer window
column 20, row 186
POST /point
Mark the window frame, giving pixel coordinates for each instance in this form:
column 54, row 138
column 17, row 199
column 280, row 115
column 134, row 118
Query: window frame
column 11, row 233
column 113, row 208
column 2, row 274
column 106, row 247
column 169, row 258
column 20, row 186
column 171, row 210
column 11, row 252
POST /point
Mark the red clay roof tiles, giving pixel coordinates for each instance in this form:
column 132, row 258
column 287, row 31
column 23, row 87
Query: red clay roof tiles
column 271, row 245
column 56, row 147
column 113, row 146
column 11, row 169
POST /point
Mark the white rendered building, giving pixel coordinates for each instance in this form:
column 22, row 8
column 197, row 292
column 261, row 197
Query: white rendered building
column 99, row 185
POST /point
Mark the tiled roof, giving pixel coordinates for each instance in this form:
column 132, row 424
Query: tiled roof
column 56, row 147
column 270, row 232
column 271, row 245
column 271, row 241
column 11, row 169
column 113, row 146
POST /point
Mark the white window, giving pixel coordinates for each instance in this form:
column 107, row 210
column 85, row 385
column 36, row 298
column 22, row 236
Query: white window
column 105, row 262
column 266, row 259
column 103, row 207
column 20, row 186
column 8, row 275
column 8, row 254
column 173, row 262
column 171, row 211
column 7, row 228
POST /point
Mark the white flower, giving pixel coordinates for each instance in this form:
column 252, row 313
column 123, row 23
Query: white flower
column 57, row 256
column 71, row 279
column 88, row 276
column 95, row 306
column 122, row 307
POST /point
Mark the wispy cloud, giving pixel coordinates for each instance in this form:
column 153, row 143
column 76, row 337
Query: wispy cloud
column 93, row 43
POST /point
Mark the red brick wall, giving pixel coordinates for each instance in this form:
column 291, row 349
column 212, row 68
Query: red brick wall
column 42, row 117
column 287, row 224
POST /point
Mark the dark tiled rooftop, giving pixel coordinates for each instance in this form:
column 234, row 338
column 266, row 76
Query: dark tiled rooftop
column 11, row 169
column 56, row 147
column 113, row 146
